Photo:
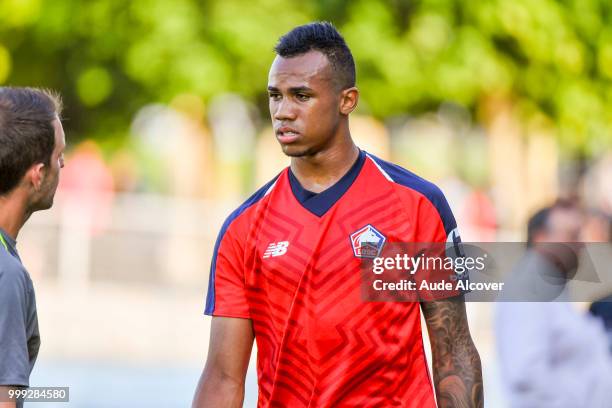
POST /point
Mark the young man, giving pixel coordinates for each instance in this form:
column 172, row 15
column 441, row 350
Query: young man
column 550, row 353
column 286, row 266
column 31, row 156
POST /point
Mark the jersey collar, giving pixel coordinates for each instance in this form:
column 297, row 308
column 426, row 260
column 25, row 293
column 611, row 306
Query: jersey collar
column 320, row 203
column 8, row 244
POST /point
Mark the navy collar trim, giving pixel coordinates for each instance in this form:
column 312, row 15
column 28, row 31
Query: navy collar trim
column 320, row 203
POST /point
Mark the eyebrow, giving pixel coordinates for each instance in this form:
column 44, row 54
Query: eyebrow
column 294, row 90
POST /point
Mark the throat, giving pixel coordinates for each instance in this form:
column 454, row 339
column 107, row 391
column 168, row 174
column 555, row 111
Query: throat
column 319, row 202
column 317, row 174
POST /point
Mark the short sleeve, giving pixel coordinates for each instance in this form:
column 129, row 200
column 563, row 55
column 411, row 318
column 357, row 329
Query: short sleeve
column 14, row 360
column 226, row 286
column 436, row 220
column 438, row 229
column 433, row 226
column 227, row 295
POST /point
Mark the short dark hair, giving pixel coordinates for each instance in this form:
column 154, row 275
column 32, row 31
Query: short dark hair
column 539, row 221
column 322, row 37
column 27, row 135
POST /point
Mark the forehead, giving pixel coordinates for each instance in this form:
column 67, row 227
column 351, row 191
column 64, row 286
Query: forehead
column 565, row 218
column 60, row 137
column 305, row 69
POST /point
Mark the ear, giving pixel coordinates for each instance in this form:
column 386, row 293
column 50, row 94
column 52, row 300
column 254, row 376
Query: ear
column 348, row 100
column 36, row 175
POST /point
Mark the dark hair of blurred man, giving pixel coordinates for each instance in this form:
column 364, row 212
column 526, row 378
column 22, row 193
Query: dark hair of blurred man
column 560, row 222
column 286, row 266
column 32, row 143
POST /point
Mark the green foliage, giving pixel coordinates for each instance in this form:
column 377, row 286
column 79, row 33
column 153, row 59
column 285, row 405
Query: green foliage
column 110, row 57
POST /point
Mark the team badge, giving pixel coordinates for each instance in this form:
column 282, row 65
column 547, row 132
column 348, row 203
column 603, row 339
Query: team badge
column 367, row 242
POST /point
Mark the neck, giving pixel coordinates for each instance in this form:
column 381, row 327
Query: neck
column 13, row 213
column 321, row 170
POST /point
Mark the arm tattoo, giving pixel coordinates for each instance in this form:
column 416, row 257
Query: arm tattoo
column 456, row 364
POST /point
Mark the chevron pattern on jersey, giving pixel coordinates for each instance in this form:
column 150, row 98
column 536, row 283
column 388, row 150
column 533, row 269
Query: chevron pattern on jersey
column 319, row 344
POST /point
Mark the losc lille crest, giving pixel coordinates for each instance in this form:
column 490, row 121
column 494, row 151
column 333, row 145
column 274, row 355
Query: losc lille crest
column 367, row 242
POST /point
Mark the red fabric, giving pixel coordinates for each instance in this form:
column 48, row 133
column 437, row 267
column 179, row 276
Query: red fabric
column 319, row 344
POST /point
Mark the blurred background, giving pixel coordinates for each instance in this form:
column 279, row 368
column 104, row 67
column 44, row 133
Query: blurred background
column 506, row 105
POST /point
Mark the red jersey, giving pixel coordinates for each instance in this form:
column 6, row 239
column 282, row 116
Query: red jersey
column 289, row 260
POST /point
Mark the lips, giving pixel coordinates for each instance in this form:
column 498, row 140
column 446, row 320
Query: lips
column 286, row 135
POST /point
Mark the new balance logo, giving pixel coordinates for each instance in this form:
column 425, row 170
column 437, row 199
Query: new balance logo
column 276, row 249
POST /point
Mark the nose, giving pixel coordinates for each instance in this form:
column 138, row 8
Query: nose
column 284, row 110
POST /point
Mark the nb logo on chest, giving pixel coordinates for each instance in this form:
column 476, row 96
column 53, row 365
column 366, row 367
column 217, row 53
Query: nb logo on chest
column 276, row 249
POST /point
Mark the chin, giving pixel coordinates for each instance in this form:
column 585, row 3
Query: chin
column 297, row 151
column 294, row 151
column 44, row 204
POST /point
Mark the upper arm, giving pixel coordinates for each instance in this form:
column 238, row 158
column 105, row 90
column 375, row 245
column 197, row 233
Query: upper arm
column 14, row 358
column 227, row 295
column 456, row 364
column 231, row 341
column 231, row 337
column 222, row 382
column 447, row 324
column 453, row 350
column 445, row 317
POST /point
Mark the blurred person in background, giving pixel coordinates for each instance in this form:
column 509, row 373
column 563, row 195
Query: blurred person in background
column 550, row 354
column 598, row 228
column 286, row 268
column 32, row 143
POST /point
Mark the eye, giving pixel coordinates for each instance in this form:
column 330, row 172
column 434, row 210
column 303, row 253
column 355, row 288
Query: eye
column 274, row 96
column 303, row 97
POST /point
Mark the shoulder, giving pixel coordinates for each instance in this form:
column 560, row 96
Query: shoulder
column 13, row 277
column 407, row 179
column 413, row 184
column 255, row 199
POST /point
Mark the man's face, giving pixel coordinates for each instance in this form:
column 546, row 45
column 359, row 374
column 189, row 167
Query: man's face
column 304, row 103
column 44, row 197
column 564, row 225
column 559, row 242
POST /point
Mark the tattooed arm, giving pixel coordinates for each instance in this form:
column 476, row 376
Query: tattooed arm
column 456, row 364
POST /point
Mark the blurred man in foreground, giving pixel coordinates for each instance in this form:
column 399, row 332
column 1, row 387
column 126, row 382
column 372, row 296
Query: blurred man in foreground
column 31, row 155
column 287, row 265
column 550, row 354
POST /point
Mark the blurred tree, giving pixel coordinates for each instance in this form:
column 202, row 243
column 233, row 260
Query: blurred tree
column 548, row 59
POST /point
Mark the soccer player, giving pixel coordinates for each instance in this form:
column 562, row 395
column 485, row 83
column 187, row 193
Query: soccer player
column 286, row 265
column 31, row 156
